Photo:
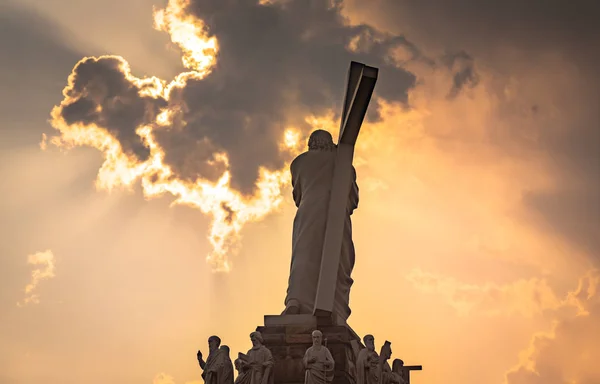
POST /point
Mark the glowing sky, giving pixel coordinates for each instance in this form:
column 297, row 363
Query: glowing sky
column 165, row 158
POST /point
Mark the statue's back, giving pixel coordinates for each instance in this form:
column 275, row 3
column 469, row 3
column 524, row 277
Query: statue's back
column 312, row 174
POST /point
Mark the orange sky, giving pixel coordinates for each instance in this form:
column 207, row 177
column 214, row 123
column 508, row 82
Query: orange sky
column 476, row 234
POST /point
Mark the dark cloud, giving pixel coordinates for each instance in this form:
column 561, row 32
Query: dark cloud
column 533, row 25
column 572, row 213
column 462, row 66
column 34, row 62
column 573, row 209
column 515, row 40
column 281, row 62
column 276, row 65
column 102, row 94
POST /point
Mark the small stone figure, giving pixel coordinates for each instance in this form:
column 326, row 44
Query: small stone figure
column 318, row 362
column 367, row 362
column 225, row 366
column 385, row 374
column 257, row 365
column 398, row 367
column 217, row 369
column 240, row 372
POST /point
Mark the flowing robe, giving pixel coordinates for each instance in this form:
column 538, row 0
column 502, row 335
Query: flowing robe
column 218, row 369
column 257, row 366
column 312, row 174
column 366, row 367
column 317, row 372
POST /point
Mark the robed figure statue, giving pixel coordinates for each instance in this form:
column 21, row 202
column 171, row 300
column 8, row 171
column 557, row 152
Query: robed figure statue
column 217, row 369
column 318, row 362
column 256, row 366
column 312, row 175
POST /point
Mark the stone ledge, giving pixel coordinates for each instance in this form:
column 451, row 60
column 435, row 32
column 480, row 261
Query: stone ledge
column 307, row 320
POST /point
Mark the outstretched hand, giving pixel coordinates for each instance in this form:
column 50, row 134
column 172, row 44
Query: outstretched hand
column 199, row 355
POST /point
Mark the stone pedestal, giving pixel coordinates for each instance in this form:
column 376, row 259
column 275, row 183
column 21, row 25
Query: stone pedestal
column 289, row 336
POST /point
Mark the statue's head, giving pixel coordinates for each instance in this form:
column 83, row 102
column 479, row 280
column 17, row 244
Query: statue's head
column 320, row 140
column 369, row 341
column 317, row 338
column 225, row 349
column 386, row 350
column 256, row 339
column 238, row 365
column 397, row 365
column 213, row 343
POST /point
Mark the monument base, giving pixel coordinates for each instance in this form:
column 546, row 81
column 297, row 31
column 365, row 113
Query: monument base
column 289, row 336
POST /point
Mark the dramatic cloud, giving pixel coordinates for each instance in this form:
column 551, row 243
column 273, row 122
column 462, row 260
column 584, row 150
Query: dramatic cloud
column 540, row 59
column 567, row 354
column 220, row 135
column 524, row 297
column 479, row 167
column 44, row 261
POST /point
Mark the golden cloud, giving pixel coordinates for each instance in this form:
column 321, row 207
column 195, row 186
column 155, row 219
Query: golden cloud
column 46, row 267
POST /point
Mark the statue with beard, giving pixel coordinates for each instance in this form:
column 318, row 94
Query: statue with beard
column 217, row 369
column 367, row 362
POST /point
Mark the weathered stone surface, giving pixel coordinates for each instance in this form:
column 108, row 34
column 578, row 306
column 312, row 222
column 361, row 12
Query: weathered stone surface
column 289, row 336
column 273, row 338
column 287, row 320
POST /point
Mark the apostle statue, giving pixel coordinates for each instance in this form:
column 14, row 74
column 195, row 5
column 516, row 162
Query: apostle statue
column 367, row 362
column 398, row 367
column 257, row 365
column 384, row 371
column 217, row 369
column 318, row 362
column 312, row 175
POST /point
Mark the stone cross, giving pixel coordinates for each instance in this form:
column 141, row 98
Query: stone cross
column 361, row 82
column 406, row 371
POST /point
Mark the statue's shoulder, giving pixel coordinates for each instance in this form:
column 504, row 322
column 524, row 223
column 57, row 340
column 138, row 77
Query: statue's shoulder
column 299, row 159
column 301, row 156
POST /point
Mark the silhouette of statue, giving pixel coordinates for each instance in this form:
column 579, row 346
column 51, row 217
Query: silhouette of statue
column 312, row 177
column 240, row 372
column 217, row 369
column 367, row 362
column 398, row 367
column 257, row 364
column 318, row 362
column 385, row 374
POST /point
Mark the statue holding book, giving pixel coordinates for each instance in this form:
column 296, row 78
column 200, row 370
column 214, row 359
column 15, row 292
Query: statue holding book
column 256, row 366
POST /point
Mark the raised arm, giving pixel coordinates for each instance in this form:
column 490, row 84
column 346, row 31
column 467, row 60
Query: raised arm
column 201, row 360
